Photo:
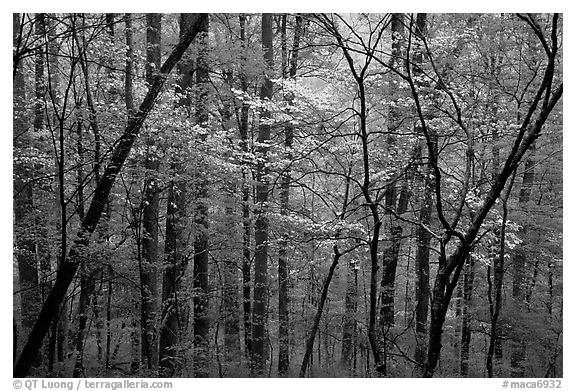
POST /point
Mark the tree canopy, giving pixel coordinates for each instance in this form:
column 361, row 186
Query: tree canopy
column 313, row 195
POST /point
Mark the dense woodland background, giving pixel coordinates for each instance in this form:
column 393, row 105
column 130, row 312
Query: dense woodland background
column 322, row 195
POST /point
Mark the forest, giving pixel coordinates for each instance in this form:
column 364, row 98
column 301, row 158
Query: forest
column 287, row 195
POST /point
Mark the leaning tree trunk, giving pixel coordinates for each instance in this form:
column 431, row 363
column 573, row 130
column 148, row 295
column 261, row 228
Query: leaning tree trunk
column 69, row 267
column 450, row 267
column 335, row 259
column 318, row 316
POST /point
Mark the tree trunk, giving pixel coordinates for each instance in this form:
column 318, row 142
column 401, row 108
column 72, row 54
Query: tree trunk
column 136, row 353
column 175, row 242
column 389, row 263
column 466, row 317
column 230, row 264
column 83, row 304
column 519, row 270
column 230, row 295
column 392, row 252
column 87, row 272
column 388, row 286
column 349, row 328
column 318, row 316
column 246, row 226
column 494, row 344
column 149, row 213
column 42, row 223
column 176, row 266
column 261, row 226
column 422, row 263
column 283, row 270
column 336, row 257
column 200, row 269
column 85, row 292
column 24, row 248
column 68, row 268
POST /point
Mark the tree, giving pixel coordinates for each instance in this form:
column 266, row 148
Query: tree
column 400, row 146
column 259, row 317
column 200, row 272
column 23, row 192
column 68, row 267
column 246, row 226
column 175, row 244
column 283, row 271
column 423, row 248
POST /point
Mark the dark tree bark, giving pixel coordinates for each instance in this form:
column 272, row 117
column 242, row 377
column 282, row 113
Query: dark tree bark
column 135, row 350
column 392, row 251
column 390, row 261
column 176, row 266
column 494, row 344
column 110, row 20
column 229, row 263
column 246, row 226
column 200, row 269
column 85, row 286
column 39, row 123
column 466, row 332
column 59, row 94
column 69, row 267
column 129, row 66
column 40, row 84
column 24, row 246
column 422, row 263
column 349, row 327
column 104, row 234
column 283, row 316
column 175, row 242
column 149, row 213
column 283, row 270
column 519, row 265
column 259, row 316
column 230, row 296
